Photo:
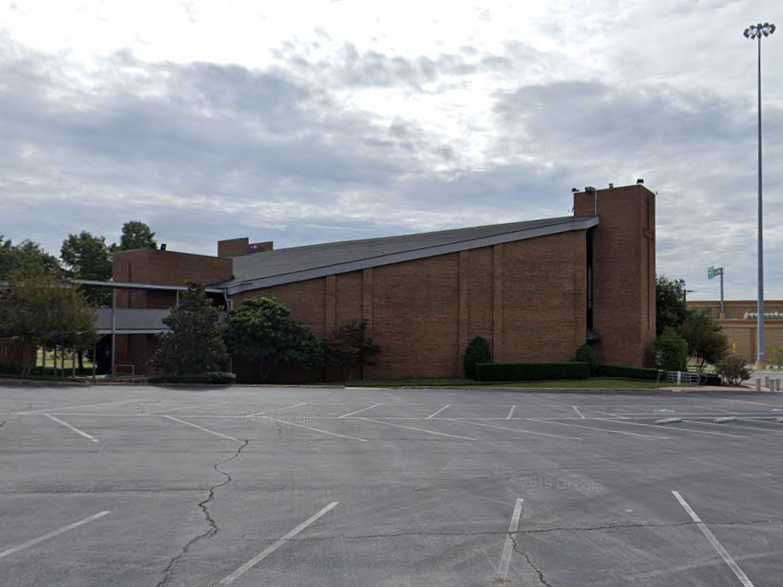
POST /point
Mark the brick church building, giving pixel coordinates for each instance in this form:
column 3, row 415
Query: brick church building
column 537, row 290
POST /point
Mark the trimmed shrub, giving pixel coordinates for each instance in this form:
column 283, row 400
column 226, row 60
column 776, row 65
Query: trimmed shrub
column 733, row 369
column 213, row 378
column 671, row 351
column 531, row 371
column 626, row 372
column 585, row 354
column 478, row 351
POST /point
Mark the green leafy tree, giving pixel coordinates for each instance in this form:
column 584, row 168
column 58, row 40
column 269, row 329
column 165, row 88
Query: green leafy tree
column 671, row 351
column 26, row 257
column 477, row 351
column 262, row 331
column 195, row 343
column 136, row 235
column 88, row 257
column 733, row 369
column 670, row 305
column 351, row 347
column 706, row 341
column 37, row 308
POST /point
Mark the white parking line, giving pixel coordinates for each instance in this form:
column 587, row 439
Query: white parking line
column 52, row 534
column 61, row 408
column 74, row 428
column 207, row 430
column 693, row 430
column 508, row 546
column 511, row 412
column 315, row 429
column 724, row 554
column 578, row 412
column 623, row 432
column 265, row 553
column 523, row 430
column 416, row 429
column 359, row 411
column 253, row 415
column 438, row 411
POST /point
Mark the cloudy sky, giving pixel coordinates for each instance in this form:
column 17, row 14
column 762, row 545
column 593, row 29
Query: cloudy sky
column 304, row 122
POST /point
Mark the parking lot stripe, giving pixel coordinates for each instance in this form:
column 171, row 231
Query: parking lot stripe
column 724, row 554
column 609, row 430
column 52, row 534
column 522, row 430
column 291, row 407
column 511, row 412
column 438, row 411
column 74, row 428
column 359, row 411
column 578, row 412
column 207, row 430
column 61, row 408
column 338, row 435
column 508, row 546
column 266, row 552
column 672, row 427
column 416, row 429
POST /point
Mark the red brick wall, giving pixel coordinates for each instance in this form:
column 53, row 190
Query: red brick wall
column 530, row 294
column 624, row 263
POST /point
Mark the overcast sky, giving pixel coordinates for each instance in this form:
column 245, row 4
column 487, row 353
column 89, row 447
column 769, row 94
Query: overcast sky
column 304, row 122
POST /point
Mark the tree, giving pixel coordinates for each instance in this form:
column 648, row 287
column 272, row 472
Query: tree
column 350, row 346
column 136, row 235
column 262, row 331
column 87, row 257
column 671, row 351
column 26, row 257
column 195, row 343
column 670, row 305
column 37, row 308
column 478, row 351
column 706, row 341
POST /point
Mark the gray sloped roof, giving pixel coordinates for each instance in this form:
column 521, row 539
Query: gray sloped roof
column 280, row 266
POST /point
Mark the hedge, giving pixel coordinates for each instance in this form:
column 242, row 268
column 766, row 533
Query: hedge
column 530, row 371
column 213, row 377
column 626, row 372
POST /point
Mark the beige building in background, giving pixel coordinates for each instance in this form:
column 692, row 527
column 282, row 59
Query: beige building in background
column 739, row 324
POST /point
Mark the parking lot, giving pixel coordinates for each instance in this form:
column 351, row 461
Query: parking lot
column 111, row 485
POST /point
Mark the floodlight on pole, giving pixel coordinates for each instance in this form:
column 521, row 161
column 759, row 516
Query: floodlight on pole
column 756, row 32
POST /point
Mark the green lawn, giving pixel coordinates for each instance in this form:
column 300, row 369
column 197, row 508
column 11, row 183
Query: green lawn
column 593, row 383
column 68, row 360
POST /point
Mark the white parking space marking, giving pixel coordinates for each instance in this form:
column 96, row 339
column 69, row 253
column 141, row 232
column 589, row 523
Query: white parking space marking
column 438, row 411
column 207, row 430
column 74, row 428
column 61, row 408
column 724, row 554
column 416, row 429
column 52, row 534
column 673, row 427
column 508, row 546
column 511, row 412
column 266, row 552
column 609, row 430
column 578, row 412
column 311, row 428
column 522, row 430
column 359, row 411
column 291, row 407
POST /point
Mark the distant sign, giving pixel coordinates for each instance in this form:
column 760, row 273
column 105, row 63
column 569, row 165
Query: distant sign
column 714, row 272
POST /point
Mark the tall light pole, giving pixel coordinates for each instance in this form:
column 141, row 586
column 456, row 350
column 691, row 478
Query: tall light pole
column 756, row 32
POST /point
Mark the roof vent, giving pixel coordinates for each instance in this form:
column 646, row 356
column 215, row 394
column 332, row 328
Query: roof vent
column 589, row 189
column 611, row 186
column 640, row 181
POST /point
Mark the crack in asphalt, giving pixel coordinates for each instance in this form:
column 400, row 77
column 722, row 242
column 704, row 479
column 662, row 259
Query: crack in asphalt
column 213, row 528
column 529, row 561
